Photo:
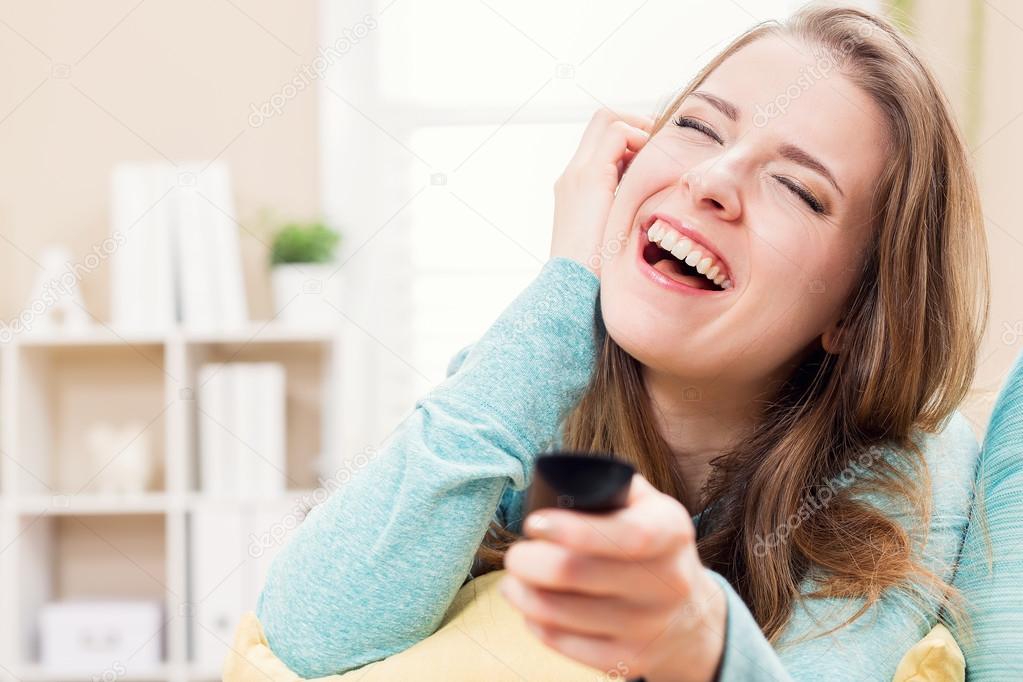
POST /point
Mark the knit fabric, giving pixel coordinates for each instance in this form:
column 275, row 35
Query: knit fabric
column 990, row 574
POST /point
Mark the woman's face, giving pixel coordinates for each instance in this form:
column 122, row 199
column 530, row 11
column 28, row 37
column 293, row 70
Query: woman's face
column 773, row 172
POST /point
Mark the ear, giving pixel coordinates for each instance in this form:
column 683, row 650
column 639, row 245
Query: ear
column 833, row 337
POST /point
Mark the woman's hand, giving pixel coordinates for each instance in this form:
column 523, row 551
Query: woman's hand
column 620, row 592
column 584, row 191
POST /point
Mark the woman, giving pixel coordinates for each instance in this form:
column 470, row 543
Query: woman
column 792, row 285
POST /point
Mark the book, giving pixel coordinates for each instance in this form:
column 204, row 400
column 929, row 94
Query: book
column 220, row 231
column 242, row 429
column 178, row 258
column 217, row 452
column 141, row 262
column 268, row 399
column 218, row 537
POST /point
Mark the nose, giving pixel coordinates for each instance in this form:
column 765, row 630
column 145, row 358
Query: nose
column 712, row 189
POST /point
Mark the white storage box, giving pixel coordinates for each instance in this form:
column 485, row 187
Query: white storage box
column 89, row 637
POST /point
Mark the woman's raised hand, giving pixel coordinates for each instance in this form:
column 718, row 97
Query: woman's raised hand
column 585, row 190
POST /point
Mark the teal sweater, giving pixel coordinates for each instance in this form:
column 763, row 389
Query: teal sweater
column 372, row 570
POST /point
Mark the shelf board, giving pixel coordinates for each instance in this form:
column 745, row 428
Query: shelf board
column 261, row 332
column 146, row 503
column 199, row 498
column 204, row 674
column 63, row 505
column 39, row 673
column 96, row 335
column 253, row 332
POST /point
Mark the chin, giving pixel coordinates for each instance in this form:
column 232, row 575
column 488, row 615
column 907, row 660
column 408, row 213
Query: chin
column 638, row 339
column 661, row 346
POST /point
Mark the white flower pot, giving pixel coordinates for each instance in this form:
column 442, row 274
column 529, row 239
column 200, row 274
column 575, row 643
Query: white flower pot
column 303, row 293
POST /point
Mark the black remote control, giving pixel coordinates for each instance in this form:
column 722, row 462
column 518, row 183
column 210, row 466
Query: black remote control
column 591, row 482
column 583, row 481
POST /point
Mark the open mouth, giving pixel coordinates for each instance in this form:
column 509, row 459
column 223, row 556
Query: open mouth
column 683, row 260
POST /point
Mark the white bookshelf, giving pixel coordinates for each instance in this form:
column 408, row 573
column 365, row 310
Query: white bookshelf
column 55, row 544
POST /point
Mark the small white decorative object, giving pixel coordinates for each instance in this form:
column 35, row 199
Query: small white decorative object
column 124, row 456
column 90, row 637
column 56, row 301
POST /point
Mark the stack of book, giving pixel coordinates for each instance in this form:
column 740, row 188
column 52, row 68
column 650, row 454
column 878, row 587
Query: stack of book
column 177, row 257
column 241, row 415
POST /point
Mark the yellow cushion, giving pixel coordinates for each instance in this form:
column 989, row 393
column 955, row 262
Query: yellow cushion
column 483, row 637
column 935, row 658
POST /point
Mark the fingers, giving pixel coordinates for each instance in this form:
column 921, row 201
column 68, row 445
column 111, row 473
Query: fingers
column 615, row 656
column 640, row 489
column 575, row 612
column 625, row 162
column 620, row 138
column 651, row 524
column 637, row 127
column 552, row 566
column 638, row 121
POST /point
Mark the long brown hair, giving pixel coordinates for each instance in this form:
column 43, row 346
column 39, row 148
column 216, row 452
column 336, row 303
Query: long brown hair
column 912, row 328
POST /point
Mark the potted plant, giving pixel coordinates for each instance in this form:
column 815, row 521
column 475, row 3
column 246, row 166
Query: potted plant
column 303, row 271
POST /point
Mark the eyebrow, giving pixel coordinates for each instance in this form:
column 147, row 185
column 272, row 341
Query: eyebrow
column 787, row 151
column 726, row 108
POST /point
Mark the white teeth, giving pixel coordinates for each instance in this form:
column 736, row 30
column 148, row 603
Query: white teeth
column 669, row 240
column 683, row 249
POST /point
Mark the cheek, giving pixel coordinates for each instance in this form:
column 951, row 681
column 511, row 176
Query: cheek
column 649, row 178
column 796, row 290
column 650, row 171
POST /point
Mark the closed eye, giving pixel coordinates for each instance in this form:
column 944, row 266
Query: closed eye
column 809, row 199
column 803, row 194
column 697, row 124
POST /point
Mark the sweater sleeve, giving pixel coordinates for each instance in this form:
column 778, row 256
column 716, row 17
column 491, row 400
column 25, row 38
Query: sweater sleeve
column 990, row 573
column 870, row 647
column 372, row 570
column 509, row 509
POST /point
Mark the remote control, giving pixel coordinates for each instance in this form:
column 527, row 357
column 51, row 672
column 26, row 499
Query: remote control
column 590, row 482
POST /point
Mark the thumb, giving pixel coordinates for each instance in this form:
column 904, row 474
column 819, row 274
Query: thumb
column 640, row 489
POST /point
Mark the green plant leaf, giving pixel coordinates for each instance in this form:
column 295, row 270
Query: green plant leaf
column 304, row 243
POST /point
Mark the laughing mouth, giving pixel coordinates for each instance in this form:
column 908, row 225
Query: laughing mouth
column 683, row 260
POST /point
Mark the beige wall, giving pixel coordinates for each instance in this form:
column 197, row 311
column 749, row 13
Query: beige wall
column 85, row 85
column 976, row 47
column 998, row 148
